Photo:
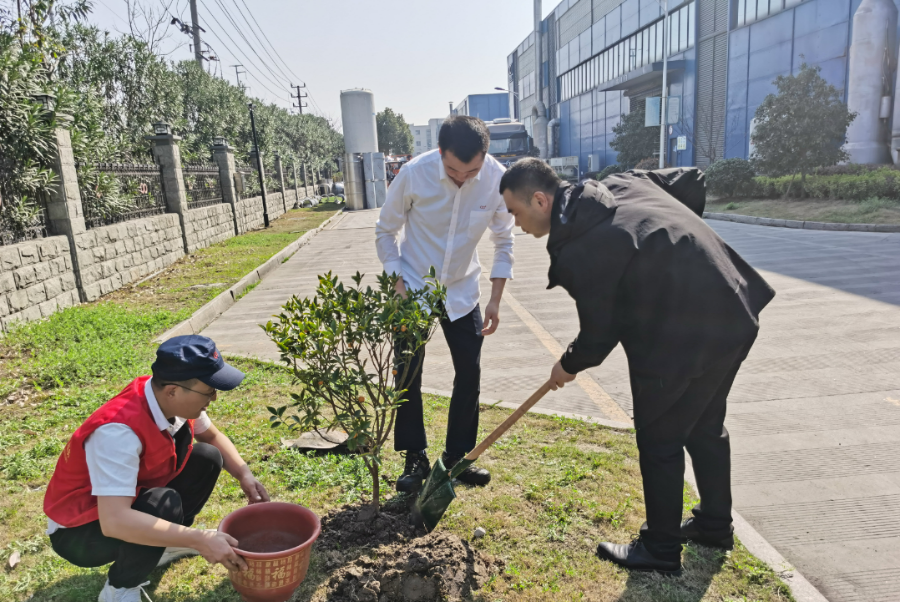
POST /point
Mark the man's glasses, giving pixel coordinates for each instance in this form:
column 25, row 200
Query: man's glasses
column 208, row 395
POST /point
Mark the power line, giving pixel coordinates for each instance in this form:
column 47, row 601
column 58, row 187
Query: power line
column 250, row 46
column 244, row 56
column 272, row 46
column 261, row 43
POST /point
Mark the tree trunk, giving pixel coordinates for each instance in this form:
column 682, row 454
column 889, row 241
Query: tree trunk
column 803, row 184
column 376, row 488
column 791, row 185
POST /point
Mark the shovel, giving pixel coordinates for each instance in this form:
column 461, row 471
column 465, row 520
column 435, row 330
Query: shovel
column 437, row 492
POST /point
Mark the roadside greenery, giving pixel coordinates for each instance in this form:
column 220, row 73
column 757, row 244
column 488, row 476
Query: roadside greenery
column 394, row 135
column 800, row 128
column 114, row 88
column 634, row 141
column 727, row 177
column 340, row 345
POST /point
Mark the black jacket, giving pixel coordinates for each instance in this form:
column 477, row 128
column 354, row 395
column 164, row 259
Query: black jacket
column 646, row 271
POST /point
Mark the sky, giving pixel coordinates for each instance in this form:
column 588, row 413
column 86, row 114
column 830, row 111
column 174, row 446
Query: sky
column 415, row 56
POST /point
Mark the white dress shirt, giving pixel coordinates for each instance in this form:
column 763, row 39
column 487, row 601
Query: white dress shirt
column 113, row 453
column 427, row 220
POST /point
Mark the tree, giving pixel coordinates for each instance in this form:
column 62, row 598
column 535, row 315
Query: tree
column 634, row 141
column 394, row 135
column 802, row 127
column 341, row 346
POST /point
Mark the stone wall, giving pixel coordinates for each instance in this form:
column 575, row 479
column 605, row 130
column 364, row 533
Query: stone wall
column 208, row 225
column 249, row 214
column 112, row 256
column 36, row 279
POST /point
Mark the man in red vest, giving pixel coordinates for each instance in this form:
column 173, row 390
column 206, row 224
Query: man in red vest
column 130, row 481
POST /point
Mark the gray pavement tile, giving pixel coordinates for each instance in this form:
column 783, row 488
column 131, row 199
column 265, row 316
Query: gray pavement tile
column 815, row 410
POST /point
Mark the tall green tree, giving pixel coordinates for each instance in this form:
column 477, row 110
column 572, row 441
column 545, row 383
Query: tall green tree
column 394, row 135
column 634, row 141
column 802, row 127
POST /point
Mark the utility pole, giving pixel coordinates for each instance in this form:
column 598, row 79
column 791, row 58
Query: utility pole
column 663, row 113
column 300, row 104
column 259, row 166
column 237, row 75
column 451, row 107
column 195, row 26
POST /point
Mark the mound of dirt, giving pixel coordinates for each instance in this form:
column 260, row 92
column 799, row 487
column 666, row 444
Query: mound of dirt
column 433, row 568
column 355, row 526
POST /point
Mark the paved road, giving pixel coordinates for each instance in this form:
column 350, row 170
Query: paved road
column 814, row 415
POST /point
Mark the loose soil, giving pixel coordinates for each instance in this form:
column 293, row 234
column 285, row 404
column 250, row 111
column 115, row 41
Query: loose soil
column 399, row 563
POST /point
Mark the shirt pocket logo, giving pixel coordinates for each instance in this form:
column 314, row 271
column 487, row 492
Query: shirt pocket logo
column 478, row 221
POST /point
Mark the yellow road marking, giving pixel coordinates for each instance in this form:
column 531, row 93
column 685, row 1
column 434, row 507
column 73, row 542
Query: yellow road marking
column 600, row 397
column 896, row 402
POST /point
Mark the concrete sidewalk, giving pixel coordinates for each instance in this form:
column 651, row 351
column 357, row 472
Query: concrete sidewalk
column 814, row 413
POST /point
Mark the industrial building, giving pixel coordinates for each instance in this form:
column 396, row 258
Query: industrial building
column 425, row 137
column 590, row 61
column 486, row 107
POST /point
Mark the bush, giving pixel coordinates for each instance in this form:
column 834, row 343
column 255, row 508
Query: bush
column 881, row 183
column 608, row 171
column 728, row 176
column 650, row 163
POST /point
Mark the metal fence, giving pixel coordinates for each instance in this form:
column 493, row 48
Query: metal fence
column 202, row 185
column 116, row 192
column 247, row 183
column 22, row 217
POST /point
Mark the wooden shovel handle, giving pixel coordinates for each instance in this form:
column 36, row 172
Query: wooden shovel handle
column 513, row 418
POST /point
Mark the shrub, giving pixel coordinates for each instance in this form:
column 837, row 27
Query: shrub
column 340, row 345
column 727, row 176
column 649, row 163
column 609, row 170
column 880, row 183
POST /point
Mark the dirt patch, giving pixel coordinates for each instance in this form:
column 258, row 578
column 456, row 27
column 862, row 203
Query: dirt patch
column 592, row 448
column 355, row 527
column 433, row 568
column 385, row 559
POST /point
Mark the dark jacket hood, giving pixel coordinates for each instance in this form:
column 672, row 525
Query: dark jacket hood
column 577, row 209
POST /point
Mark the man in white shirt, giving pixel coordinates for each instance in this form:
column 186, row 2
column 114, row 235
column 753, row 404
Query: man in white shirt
column 130, row 482
column 437, row 209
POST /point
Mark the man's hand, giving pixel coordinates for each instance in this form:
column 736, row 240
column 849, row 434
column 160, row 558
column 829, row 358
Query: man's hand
column 254, row 490
column 491, row 318
column 559, row 377
column 218, row 548
column 400, row 287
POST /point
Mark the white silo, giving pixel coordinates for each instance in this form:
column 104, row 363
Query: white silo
column 363, row 189
column 358, row 117
column 874, row 27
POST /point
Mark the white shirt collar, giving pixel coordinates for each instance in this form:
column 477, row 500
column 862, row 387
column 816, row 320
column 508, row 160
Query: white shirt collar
column 158, row 417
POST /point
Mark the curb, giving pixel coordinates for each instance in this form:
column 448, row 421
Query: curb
column 801, row 225
column 201, row 318
column 756, row 544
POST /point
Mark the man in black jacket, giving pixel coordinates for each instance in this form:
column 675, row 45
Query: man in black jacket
column 647, row 272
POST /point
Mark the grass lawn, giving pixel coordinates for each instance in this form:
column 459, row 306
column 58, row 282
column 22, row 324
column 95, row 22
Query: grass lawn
column 559, row 486
column 871, row 211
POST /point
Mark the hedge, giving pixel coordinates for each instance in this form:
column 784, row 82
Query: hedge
column 879, row 183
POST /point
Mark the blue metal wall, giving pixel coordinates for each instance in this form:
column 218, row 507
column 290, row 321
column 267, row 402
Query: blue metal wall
column 488, row 107
column 586, row 122
column 816, row 32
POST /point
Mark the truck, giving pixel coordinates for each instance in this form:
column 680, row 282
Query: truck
column 509, row 141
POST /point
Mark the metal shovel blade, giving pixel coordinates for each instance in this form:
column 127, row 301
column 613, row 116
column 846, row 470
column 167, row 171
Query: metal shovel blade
column 436, row 494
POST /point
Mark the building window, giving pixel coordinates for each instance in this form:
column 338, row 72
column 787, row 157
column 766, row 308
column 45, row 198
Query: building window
column 748, row 11
column 418, row 132
column 418, row 143
column 635, row 51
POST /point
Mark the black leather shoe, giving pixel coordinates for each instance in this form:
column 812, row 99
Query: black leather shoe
column 635, row 557
column 472, row 475
column 415, row 471
column 690, row 531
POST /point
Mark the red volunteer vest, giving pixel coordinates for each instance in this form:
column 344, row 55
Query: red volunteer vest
column 68, row 500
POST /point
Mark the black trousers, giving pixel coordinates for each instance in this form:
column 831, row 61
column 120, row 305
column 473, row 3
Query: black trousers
column 178, row 502
column 694, row 422
column 464, row 338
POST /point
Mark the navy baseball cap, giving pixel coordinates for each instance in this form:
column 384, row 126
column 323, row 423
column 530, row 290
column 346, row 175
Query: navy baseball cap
column 194, row 356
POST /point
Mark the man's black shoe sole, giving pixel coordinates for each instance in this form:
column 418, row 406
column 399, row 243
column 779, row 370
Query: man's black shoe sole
column 665, row 572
